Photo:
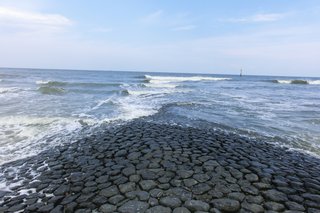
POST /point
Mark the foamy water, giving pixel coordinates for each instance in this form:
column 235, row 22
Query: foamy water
column 40, row 109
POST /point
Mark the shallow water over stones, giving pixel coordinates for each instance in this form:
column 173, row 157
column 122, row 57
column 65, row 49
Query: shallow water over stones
column 147, row 167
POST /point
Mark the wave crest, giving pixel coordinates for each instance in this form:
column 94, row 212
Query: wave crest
column 85, row 84
column 51, row 90
column 169, row 79
column 296, row 81
column 9, row 90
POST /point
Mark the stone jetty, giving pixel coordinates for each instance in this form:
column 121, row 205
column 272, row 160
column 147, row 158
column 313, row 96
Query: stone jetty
column 156, row 168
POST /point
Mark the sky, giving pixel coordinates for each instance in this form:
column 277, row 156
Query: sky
column 209, row 36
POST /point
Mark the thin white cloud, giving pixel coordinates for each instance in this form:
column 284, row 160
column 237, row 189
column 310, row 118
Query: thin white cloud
column 263, row 17
column 153, row 17
column 21, row 19
column 184, row 28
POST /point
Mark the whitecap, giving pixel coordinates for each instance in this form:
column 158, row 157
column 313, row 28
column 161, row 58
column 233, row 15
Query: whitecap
column 169, row 79
column 314, row 82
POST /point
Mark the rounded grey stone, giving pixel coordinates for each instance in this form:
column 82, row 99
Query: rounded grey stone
column 159, row 209
column 185, row 173
column 275, row 195
column 109, row 192
column 147, row 184
column 127, row 187
column 170, row 201
column 227, row 205
column 274, row 206
column 181, row 210
column 133, row 206
column 197, row 205
column 107, row 208
column 251, row 177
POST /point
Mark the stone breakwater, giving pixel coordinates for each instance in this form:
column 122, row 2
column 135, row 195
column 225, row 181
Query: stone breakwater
column 147, row 167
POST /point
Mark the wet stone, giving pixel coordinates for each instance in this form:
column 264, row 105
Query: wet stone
column 250, row 190
column 313, row 197
column 127, row 187
column 252, row 207
column 57, row 209
column 294, row 206
column 148, row 175
column 200, row 188
column 274, row 206
column 133, row 206
column 109, row 192
column 201, row 177
column 46, row 208
column 134, row 155
column 189, row 182
column 226, row 204
column 159, row 209
column 99, row 200
column 251, row 177
column 147, row 184
column 236, row 196
column 107, row 208
column 121, row 153
column 181, row 210
column 181, row 193
column 153, row 201
column 128, row 171
column 197, row 205
column 157, row 193
column 149, row 167
column 185, row 173
column 134, row 178
column 16, row 208
column 170, row 202
column 275, row 195
column 116, row 199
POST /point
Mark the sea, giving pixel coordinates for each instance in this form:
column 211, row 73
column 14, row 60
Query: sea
column 41, row 109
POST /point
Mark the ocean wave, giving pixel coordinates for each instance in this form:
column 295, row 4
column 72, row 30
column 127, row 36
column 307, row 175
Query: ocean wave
column 160, row 85
column 100, row 103
column 149, row 92
column 296, row 81
column 51, row 90
column 51, row 83
column 84, row 84
column 169, row 79
column 9, row 90
column 23, row 136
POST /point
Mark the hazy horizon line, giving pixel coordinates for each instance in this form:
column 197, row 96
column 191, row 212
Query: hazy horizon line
column 143, row 71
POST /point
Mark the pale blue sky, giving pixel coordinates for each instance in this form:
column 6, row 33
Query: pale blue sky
column 263, row 37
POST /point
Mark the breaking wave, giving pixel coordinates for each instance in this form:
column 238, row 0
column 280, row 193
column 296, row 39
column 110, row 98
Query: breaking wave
column 9, row 90
column 166, row 79
column 84, row 84
column 297, row 81
column 51, row 90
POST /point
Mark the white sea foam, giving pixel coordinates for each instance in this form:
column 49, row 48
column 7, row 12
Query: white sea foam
column 149, row 92
column 9, row 90
column 171, row 81
column 314, row 82
column 297, row 81
column 167, row 79
column 102, row 102
column 160, row 85
column 284, row 81
column 22, row 136
column 40, row 82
